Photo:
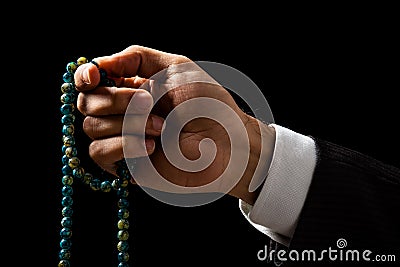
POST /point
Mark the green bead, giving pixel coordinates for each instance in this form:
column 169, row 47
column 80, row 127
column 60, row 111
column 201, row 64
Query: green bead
column 123, row 224
column 87, row 178
column 123, row 213
column 123, row 246
column 67, row 88
column 67, row 98
column 73, row 162
column 70, row 152
column 78, row 173
column 68, row 140
column 123, row 235
column 64, row 263
column 67, row 180
column 82, row 60
column 116, row 184
column 124, row 182
column 71, row 67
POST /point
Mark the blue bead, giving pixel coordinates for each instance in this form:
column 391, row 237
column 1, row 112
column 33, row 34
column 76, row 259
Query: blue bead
column 78, row 173
column 123, row 203
column 123, row 173
column 67, row 201
column 67, row 109
column 66, row 170
column 65, row 160
column 68, row 129
column 123, row 256
column 65, row 243
column 122, row 192
column 66, row 233
column 68, row 77
column 66, row 222
column 123, row 264
column 64, row 254
column 106, row 186
column 95, row 184
column 67, row 212
column 103, row 74
column 108, row 82
column 67, row 190
column 68, row 119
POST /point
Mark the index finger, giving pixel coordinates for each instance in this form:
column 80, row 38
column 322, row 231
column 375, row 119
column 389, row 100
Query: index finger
column 133, row 61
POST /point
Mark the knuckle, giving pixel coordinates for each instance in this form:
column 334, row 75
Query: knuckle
column 81, row 103
column 91, row 126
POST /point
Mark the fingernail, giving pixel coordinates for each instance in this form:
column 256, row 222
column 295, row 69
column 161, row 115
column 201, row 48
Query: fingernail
column 143, row 100
column 157, row 123
column 85, row 75
column 149, row 144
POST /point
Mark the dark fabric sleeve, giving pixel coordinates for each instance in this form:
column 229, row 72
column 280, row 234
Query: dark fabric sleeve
column 352, row 197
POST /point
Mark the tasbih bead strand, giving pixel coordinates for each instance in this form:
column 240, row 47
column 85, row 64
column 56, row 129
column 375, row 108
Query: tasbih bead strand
column 72, row 170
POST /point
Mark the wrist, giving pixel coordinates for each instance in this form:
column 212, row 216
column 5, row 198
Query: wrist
column 262, row 142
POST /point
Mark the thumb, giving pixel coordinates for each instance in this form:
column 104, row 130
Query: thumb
column 133, row 61
column 139, row 60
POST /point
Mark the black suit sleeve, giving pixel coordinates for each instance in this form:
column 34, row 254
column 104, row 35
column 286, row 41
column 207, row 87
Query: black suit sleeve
column 352, row 197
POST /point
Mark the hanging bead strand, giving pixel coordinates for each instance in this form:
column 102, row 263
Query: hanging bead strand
column 72, row 170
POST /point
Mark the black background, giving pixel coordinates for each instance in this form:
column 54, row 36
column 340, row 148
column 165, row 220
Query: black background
column 329, row 74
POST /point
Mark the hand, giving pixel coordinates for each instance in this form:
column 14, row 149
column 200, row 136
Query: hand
column 108, row 109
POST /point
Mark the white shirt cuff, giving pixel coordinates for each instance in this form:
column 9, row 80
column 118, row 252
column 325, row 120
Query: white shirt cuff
column 278, row 206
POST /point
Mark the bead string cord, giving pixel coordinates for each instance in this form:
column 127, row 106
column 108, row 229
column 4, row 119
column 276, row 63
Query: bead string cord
column 72, row 171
